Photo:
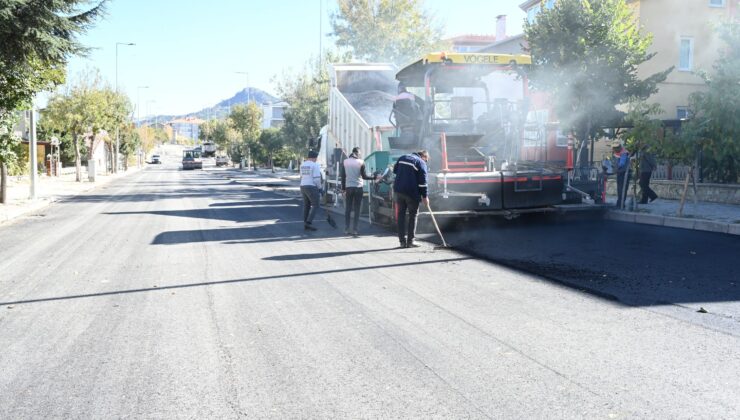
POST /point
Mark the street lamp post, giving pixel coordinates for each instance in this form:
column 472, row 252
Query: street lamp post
column 249, row 149
column 118, row 141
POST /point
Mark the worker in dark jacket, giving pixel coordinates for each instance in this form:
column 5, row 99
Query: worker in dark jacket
column 647, row 166
column 410, row 189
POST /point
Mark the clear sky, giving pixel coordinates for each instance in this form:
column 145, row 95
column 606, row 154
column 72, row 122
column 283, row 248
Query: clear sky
column 188, row 51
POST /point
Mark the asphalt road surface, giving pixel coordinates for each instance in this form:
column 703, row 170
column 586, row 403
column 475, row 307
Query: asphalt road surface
column 171, row 294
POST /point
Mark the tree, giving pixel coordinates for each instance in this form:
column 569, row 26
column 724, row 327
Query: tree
column 272, row 142
column 396, row 31
column 585, row 55
column 308, row 95
column 8, row 142
column 38, row 37
column 714, row 126
column 247, row 121
column 83, row 111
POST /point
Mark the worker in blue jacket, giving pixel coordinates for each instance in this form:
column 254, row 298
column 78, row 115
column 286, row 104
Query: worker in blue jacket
column 622, row 163
column 410, row 189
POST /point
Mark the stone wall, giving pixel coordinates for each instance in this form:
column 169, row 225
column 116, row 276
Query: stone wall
column 714, row 193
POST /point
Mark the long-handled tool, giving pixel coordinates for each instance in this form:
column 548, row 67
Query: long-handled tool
column 444, row 245
column 329, row 219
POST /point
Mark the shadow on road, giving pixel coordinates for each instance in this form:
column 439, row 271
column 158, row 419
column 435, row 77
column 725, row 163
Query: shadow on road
column 293, row 257
column 235, row 281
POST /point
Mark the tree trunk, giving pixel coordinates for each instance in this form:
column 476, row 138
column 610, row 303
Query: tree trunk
column 685, row 191
column 249, row 158
column 3, row 183
column 78, row 160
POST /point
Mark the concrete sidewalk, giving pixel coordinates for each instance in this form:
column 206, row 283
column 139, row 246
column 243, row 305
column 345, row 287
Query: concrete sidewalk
column 711, row 217
column 48, row 190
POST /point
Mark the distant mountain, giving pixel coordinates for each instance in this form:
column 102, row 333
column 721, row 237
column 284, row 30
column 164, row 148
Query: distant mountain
column 221, row 109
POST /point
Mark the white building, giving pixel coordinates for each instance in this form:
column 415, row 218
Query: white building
column 273, row 114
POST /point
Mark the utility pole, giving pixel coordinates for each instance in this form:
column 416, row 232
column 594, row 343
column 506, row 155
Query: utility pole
column 249, row 149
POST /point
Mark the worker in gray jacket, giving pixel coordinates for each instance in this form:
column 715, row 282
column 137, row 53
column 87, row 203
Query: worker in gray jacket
column 353, row 173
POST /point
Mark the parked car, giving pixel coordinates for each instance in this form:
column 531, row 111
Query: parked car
column 156, row 159
column 222, row 161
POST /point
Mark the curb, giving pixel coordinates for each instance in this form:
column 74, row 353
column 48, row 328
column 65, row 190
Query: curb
column 674, row 222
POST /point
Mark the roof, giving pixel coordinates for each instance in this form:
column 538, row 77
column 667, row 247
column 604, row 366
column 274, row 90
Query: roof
column 473, row 39
column 187, row 120
column 529, row 3
column 512, row 44
column 467, row 68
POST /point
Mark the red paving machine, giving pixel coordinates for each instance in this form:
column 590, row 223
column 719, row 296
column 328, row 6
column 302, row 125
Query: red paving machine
column 476, row 139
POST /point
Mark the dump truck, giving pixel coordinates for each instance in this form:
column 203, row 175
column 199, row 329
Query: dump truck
column 361, row 97
column 191, row 159
column 209, row 149
column 473, row 135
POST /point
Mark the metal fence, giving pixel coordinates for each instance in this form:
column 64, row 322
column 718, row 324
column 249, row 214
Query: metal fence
column 666, row 171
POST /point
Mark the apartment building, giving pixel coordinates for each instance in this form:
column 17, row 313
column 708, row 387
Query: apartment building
column 684, row 36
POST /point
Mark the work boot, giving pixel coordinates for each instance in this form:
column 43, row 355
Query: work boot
column 412, row 244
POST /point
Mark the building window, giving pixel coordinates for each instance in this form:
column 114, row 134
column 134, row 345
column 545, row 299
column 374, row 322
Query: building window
column 532, row 13
column 682, row 112
column 686, row 54
column 716, row 3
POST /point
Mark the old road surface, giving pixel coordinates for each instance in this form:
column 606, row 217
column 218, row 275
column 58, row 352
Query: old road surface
column 171, row 294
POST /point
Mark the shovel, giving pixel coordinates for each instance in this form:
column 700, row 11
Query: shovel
column 329, row 219
column 444, row 245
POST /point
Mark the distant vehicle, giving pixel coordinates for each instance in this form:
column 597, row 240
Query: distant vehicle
column 156, row 159
column 209, row 149
column 191, row 159
column 222, row 160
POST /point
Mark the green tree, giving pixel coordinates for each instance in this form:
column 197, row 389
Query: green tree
column 38, row 37
column 271, row 141
column 396, row 31
column 714, row 126
column 131, row 141
column 585, row 55
column 8, row 155
column 307, row 93
column 83, row 111
column 247, row 121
